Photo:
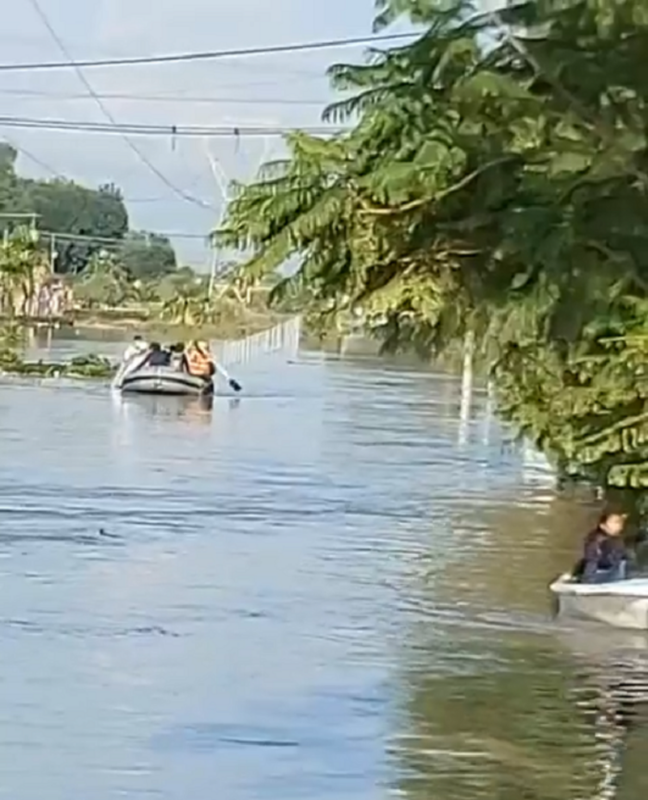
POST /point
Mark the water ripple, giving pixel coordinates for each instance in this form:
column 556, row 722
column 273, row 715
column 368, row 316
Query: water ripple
column 331, row 589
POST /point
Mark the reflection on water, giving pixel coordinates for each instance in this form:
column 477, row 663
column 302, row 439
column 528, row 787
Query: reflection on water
column 505, row 714
column 195, row 409
column 327, row 588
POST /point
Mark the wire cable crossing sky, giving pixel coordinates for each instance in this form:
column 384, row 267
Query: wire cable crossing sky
column 189, row 198
column 175, row 96
column 170, row 129
column 170, row 98
column 208, row 55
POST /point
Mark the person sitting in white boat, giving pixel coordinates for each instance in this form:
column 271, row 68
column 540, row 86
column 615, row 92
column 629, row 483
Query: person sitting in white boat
column 199, row 360
column 605, row 556
column 137, row 347
column 178, row 360
column 158, row 357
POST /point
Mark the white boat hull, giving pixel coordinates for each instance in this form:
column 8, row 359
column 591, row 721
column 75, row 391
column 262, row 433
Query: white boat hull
column 623, row 604
column 134, row 379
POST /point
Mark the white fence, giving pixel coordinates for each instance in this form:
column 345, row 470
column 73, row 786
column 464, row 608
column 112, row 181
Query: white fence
column 283, row 338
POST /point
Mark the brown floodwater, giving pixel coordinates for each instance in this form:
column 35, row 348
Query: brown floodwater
column 329, row 588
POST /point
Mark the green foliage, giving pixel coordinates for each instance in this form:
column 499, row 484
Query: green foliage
column 90, row 366
column 104, row 283
column 189, row 305
column 147, row 255
column 19, row 262
column 495, row 181
column 67, row 208
column 585, row 402
column 73, row 209
column 63, row 206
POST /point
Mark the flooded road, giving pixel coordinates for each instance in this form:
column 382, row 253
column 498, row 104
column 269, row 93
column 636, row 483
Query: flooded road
column 327, row 589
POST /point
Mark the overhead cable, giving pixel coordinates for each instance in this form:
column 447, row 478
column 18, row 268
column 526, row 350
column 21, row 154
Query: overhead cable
column 56, row 174
column 106, row 112
column 206, row 55
column 167, row 98
column 143, row 129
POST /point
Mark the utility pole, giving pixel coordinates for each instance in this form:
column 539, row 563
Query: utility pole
column 53, row 253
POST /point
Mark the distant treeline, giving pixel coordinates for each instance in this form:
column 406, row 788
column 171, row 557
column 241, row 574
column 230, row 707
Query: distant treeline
column 66, row 207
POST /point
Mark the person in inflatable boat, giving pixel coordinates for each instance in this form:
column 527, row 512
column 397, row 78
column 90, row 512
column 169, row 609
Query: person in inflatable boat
column 605, row 556
column 199, row 360
column 136, row 348
column 158, row 356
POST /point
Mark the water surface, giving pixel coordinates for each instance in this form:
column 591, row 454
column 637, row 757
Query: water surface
column 328, row 589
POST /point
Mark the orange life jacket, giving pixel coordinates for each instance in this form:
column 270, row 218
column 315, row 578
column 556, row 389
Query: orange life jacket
column 199, row 362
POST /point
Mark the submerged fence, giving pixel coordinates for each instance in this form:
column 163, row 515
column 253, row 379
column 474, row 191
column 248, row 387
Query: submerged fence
column 280, row 339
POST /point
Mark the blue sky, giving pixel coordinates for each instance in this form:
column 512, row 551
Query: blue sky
column 282, row 90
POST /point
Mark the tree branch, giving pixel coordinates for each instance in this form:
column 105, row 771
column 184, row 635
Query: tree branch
column 461, row 184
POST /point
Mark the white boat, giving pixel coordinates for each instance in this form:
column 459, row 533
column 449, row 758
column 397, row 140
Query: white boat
column 141, row 378
column 623, row 604
column 164, row 380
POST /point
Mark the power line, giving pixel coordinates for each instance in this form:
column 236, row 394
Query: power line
column 43, row 164
column 131, row 200
column 280, row 66
column 169, row 98
column 106, row 112
column 56, row 174
column 281, row 69
column 206, row 55
column 85, row 237
column 142, row 129
column 82, row 237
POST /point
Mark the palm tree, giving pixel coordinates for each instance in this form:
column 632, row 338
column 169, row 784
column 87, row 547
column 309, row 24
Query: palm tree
column 104, row 282
column 189, row 305
column 19, row 263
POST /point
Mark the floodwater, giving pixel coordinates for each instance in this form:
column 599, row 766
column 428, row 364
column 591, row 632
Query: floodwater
column 330, row 588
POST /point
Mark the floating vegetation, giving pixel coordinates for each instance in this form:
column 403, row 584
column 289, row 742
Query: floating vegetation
column 90, row 366
column 12, row 341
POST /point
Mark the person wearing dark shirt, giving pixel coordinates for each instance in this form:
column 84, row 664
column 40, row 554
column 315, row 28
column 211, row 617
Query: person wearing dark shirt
column 177, row 357
column 605, row 555
column 158, row 357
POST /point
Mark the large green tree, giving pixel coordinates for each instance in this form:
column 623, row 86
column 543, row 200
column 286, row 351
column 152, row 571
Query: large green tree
column 84, row 221
column 494, row 182
column 147, row 255
column 11, row 190
column 67, row 207
column 62, row 206
column 19, row 263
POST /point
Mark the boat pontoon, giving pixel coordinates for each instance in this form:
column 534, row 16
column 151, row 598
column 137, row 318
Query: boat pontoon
column 144, row 379
column 622, row 603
